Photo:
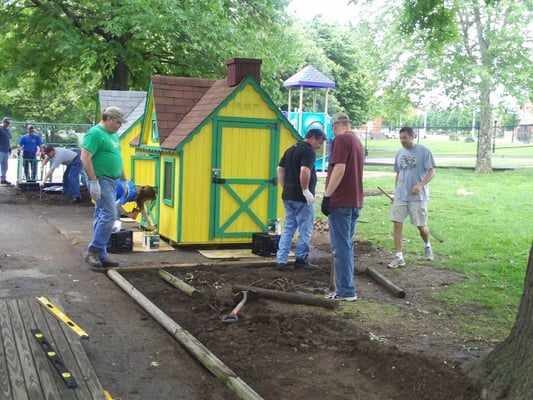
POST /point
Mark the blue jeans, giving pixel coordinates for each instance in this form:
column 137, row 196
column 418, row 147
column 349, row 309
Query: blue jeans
column 298, row 215
column 30, row 165
column 4, row 157
column 342, row 221
column 105, row 214
column 71, row 179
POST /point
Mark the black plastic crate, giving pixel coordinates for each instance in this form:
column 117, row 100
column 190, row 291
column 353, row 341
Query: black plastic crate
column 264, row 244
column 120, row 242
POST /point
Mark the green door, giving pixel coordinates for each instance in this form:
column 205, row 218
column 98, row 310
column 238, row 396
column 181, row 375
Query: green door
column 244, row 182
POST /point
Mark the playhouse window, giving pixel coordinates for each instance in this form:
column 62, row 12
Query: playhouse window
column 168, row 182
column 155, row 133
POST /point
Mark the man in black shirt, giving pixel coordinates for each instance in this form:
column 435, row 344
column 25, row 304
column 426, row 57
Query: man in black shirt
column 297, row 175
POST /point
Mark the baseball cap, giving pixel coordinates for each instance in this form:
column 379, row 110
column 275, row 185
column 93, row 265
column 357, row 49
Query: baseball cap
column 340, row 117
column 115, row 113
column 31, row 128
column 6, row 119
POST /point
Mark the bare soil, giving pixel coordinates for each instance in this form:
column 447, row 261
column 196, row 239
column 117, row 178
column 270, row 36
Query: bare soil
column 290, row 351
column 377, row 348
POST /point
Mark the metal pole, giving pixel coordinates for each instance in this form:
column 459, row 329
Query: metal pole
column 494, row 137
column 366, row 139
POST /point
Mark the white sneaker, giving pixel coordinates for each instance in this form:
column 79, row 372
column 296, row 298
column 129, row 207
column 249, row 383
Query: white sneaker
column 428, row 253
column 347, row 298
column 397, row 262
column 330, row 295
column 334, row 296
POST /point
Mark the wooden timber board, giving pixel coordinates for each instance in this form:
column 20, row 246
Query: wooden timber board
column 26, row 373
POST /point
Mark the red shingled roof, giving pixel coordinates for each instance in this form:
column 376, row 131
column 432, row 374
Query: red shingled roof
column 182, row 104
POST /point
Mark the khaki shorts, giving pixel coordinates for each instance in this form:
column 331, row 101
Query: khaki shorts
column 417, row 210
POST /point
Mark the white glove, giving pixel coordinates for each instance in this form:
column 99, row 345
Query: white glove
column 117, row 226
column 95, row 190
column 308, row 196
column 125, row 189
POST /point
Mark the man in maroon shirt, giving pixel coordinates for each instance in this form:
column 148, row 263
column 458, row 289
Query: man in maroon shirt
column 342, row 204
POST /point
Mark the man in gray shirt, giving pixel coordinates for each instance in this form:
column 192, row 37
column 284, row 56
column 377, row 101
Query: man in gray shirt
column 415, row 168
column 71, row 176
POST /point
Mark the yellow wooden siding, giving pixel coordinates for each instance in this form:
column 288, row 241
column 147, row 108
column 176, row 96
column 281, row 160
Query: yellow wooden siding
column 147, row 126
column 145, row 172
column 196, row 206
column 127, row 150
column 248, row 104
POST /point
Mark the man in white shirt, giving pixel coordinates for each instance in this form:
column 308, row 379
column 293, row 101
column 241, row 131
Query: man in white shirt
column 71, row 176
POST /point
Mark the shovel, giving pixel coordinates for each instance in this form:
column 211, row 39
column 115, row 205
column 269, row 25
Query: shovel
column 232, row 316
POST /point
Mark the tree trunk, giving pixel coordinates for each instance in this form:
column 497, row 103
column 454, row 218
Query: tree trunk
column 484, row 161
column 119, row 78
column 506, row 372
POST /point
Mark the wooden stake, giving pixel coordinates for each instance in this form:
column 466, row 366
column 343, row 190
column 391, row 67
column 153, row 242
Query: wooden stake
column 297, row 298
column 178, row 283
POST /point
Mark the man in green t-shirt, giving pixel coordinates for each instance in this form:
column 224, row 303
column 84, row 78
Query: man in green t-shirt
column 102, row 160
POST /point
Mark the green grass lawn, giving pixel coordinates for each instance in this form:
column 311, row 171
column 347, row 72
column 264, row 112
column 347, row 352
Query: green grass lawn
column 487, row 236
column 505, row 152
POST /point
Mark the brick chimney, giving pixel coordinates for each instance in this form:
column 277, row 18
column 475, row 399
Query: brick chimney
column 240, row 68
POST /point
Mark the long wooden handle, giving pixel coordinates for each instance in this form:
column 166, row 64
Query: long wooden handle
column 332, row 285
column 386, row 194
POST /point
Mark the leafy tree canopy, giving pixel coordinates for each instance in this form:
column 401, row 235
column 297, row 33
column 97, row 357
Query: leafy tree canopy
column 119, row 44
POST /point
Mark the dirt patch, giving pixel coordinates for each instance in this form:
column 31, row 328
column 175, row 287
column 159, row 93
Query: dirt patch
column 302, row 352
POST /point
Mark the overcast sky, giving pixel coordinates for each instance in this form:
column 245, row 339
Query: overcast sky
column 332, row 10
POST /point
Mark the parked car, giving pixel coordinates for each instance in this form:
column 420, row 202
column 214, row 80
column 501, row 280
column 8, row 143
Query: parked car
column 392, row 135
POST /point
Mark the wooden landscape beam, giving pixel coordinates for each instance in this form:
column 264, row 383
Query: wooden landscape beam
column 180, row 284
column 214, row 263
column 193, row 345
column 387, row 284
column 296, row 298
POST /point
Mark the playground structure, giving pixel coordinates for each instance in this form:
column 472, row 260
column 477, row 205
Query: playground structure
column 311, row 78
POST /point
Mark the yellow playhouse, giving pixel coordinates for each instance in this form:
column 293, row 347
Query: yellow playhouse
column 212, row 148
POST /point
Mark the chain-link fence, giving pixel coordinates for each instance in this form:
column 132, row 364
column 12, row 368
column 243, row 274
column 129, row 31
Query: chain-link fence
column 64, row 134
column 67, row 135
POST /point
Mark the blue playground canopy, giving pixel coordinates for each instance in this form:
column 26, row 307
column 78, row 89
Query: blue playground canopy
column 309, row 77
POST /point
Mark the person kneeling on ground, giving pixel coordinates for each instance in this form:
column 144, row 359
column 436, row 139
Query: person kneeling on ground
column 139, row 195
column 71, row 176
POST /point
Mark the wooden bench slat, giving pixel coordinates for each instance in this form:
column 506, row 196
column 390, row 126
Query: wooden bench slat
column 50, row 381
column 5, row 352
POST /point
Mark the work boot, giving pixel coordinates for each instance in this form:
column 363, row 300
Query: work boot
column 304, row 263
column 93, row 259
column 282, row 266
column 108, row 263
